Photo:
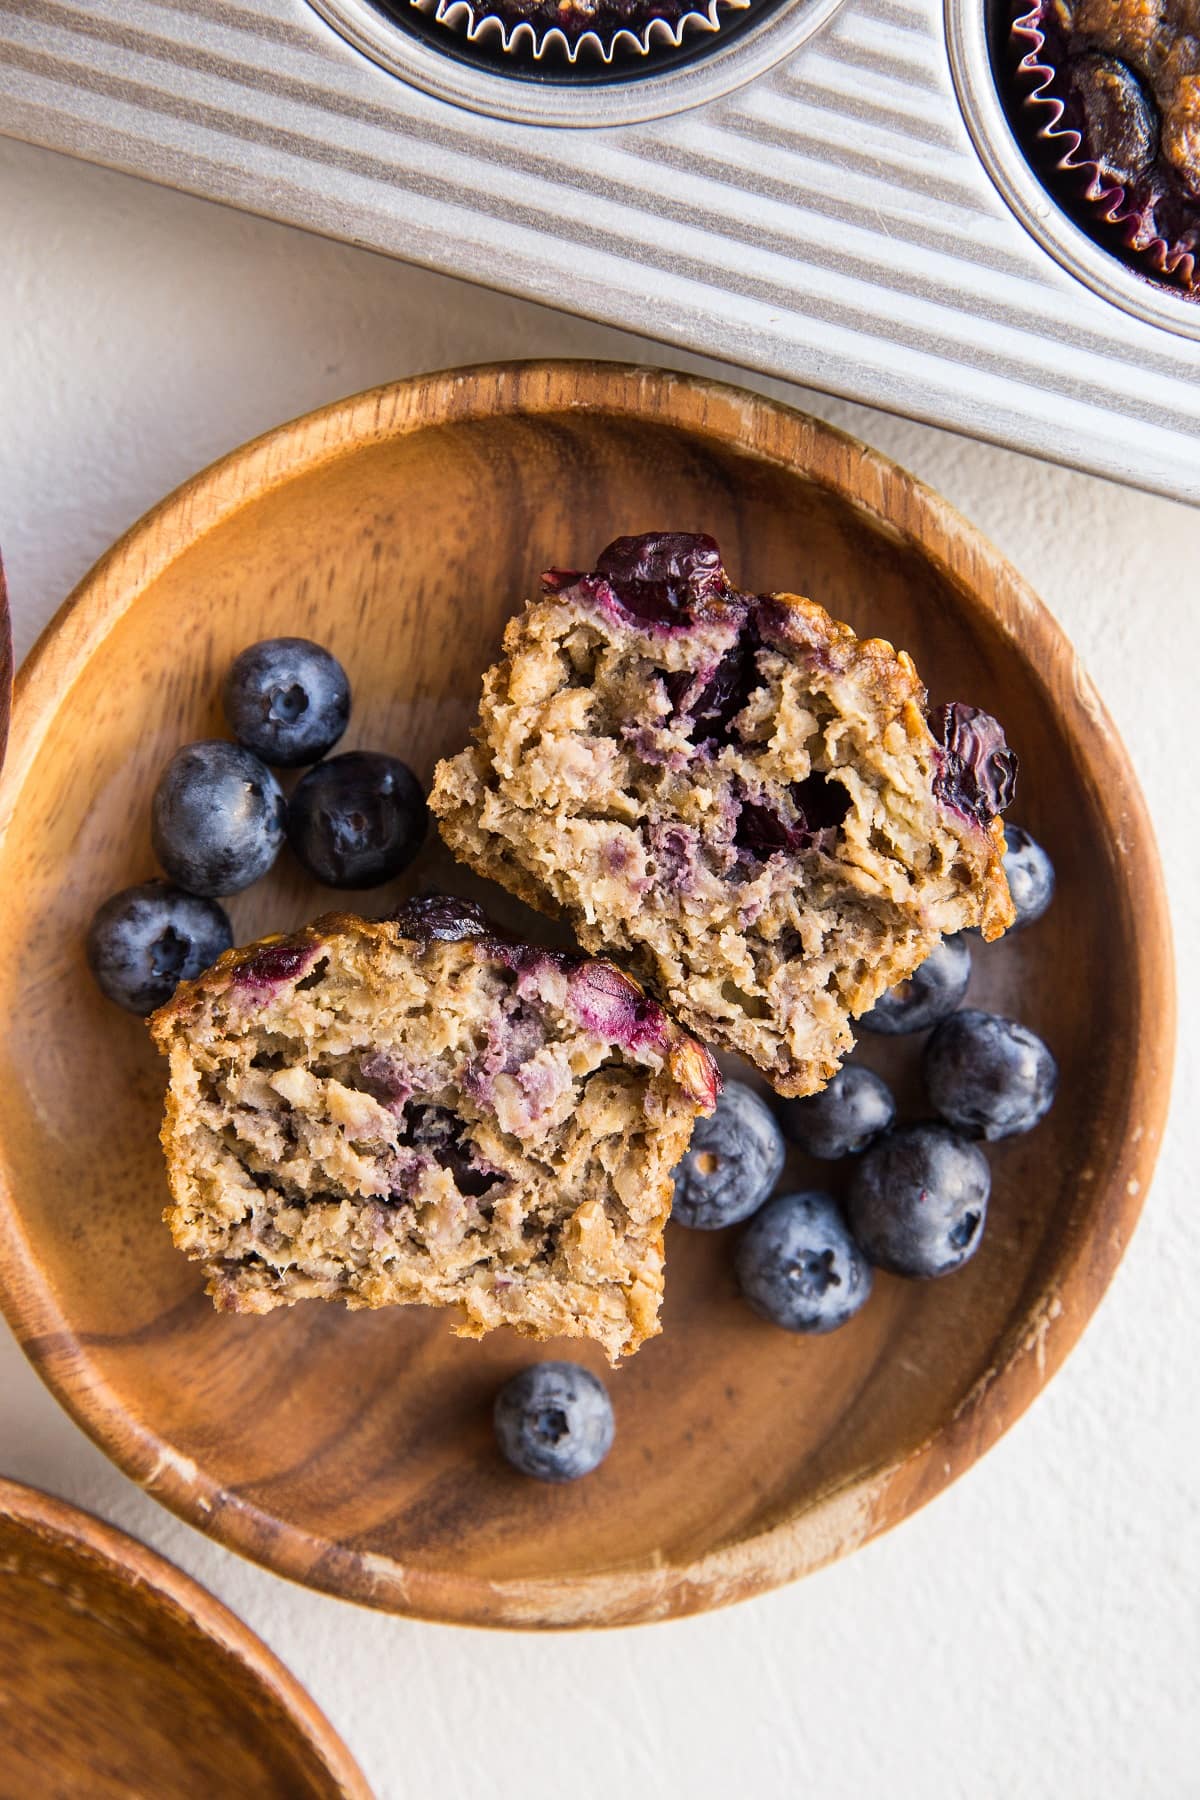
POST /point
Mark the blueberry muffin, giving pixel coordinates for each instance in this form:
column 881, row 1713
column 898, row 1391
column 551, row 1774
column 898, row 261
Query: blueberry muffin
column 593, row 32
column 1115, row 88
column 733, row 794
column 575, row 18
column 419, row 1111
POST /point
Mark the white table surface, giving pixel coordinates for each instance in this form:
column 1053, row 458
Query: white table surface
column 1036, row 1630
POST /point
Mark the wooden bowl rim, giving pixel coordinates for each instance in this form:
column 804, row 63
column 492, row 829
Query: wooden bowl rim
column 6, row 663
column 763, row 429
column 142, row 1573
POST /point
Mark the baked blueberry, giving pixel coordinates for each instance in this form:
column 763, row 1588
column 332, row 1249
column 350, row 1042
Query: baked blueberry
column 932, row 991
column 357, row 819
column 734, row 1160
column 144, row 941
column 843, row 1118
column 918, row 1200
column 554, row 1420
column 798, row 1265
column 1030, row 876
column 444, row 918
column 1117, row 115
column 988, row 1076
column 287, row 700
column 217, row 818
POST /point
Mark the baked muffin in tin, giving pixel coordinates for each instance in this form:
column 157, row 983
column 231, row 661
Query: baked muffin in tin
column 580, row 34
column 1109, row 93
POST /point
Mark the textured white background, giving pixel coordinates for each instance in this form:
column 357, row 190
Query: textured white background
column 1036, row 1631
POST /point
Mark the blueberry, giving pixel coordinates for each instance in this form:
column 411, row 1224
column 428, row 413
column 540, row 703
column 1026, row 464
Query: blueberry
column 664, row 576
column 1119, row 120
column 988, row 1076
column 217, row 820
column 147, row 939
column 734, row 1160
column 843, row 1118
column 357, row 819
column 442, row 918
column 1030, row 876
column 918, row 1201
column 554, row 1420
column 931, row 992
column 976, row 770
column 799, row 1267
column 287, row 700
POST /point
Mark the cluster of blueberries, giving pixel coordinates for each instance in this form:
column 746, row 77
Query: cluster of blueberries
column 219, row 819
column 915, row 1204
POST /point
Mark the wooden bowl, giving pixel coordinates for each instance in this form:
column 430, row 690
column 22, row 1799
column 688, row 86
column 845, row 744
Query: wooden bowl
column 6, row 664
column 121, row 1676
column 354, row 1451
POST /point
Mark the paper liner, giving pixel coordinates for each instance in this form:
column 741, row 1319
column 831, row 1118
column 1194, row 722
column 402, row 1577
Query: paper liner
column 1127, row 210
column 574, row 37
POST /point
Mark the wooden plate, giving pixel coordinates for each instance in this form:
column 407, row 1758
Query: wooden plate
column 6, row 664
column 121, row 1676
column 354, row 1452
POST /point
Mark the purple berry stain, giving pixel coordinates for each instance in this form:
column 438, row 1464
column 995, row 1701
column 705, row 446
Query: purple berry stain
column 609, row 1004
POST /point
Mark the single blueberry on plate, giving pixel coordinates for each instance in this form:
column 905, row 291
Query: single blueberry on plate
column 988, row 1076
column 1030, row 876
column 288, row 700
column 931, row 992
column 732, row 1163
column 855, row 1107
column 144, row 941
column 357, row 819
column 799, row 1267
column 554, row 1420
column 918, row 1201
column 217, row 818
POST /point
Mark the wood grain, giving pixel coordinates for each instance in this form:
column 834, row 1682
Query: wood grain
column 119, row 1676
column 6, row 663
column 353, row 1452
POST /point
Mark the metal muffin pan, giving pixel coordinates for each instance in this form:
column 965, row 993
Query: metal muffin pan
column 703, row 68
column 821, row 210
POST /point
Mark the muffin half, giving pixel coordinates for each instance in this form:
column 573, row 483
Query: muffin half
column 419, row 1111
column 732, row 793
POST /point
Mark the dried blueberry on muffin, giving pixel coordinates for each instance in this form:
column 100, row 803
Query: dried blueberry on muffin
column 733, row 794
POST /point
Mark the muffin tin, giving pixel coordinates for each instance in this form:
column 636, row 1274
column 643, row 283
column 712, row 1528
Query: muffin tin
column 831, row 195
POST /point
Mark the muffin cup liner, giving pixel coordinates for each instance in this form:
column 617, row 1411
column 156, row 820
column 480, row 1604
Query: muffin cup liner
column 1124, row 212
column 577, row 41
